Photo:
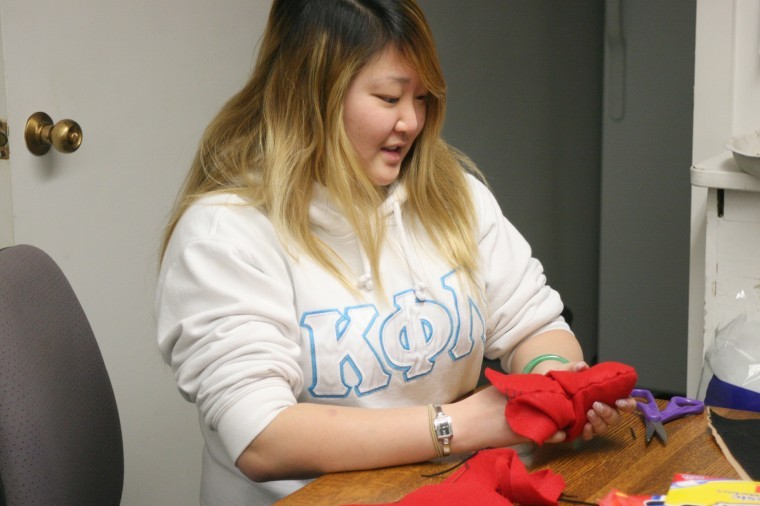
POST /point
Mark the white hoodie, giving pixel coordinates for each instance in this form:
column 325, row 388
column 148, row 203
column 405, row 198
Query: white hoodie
column 250, row 330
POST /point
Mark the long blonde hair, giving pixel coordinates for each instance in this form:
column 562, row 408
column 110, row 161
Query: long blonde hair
column 284, row 131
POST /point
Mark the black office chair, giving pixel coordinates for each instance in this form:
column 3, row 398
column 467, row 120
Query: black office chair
column 60, row 435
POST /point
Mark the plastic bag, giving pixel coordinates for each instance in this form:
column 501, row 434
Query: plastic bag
column 735, row 362
column 735, row 356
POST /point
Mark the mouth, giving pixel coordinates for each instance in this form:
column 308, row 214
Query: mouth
column 391, row 149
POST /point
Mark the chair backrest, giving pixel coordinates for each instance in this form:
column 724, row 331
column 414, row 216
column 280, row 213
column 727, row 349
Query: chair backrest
column 60, row 435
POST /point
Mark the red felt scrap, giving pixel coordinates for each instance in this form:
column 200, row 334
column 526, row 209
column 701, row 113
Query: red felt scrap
column 470, row 494
column 493, row 476
column 501, row 468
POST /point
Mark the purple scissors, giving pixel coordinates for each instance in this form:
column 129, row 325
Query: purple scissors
column 654, row 418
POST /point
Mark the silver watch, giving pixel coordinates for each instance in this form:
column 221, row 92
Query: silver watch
column 443, row 429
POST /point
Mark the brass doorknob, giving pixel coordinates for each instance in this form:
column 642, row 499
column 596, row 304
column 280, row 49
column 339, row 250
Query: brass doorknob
column 40, row 133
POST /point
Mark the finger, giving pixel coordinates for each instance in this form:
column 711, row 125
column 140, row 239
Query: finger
column 557, row 437
column 626, row 405
column 607, row 413
column 598, row 424
column 579, row 366
column 588, row 432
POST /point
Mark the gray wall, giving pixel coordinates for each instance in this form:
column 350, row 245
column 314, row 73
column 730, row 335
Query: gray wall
column 525, row 88
column 646, row 195
column 604, row 203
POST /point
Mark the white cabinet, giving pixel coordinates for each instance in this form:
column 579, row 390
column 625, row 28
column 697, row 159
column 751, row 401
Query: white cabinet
column 732, row 246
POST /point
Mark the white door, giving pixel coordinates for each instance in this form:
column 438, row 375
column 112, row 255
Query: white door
column 142, row 78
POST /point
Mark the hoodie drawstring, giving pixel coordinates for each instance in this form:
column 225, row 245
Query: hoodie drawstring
column 420, row 288
column 365, row 280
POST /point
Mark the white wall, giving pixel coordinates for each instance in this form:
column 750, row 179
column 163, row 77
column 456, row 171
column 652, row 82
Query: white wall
column 143, row 79
column 726, row 102
column 6, row 199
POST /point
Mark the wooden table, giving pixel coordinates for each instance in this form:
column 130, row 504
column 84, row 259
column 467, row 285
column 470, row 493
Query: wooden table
column 620, row 460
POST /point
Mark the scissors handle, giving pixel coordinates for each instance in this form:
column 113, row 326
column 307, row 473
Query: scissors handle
column 681, row 406
column 649, row 408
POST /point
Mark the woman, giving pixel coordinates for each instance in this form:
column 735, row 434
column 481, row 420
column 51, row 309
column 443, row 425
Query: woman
column 333, row 268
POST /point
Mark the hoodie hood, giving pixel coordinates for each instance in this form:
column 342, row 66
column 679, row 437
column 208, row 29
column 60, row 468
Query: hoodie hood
column 327, row 217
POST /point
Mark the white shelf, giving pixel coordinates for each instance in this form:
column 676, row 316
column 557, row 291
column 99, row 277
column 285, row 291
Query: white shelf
column 732, row 246
column 722, row 172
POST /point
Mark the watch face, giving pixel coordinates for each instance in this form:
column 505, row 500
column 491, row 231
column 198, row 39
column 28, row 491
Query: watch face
column 443, row 427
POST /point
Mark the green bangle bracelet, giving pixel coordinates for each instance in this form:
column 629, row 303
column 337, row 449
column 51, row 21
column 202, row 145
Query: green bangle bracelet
column 542, row 358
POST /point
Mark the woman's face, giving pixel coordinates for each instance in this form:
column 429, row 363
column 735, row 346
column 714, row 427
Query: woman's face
column 384, row 111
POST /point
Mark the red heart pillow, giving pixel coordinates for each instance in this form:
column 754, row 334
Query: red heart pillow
column 540, row 405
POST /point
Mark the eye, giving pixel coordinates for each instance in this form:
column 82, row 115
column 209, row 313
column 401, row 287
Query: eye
column 422, row 98
column 388, row 99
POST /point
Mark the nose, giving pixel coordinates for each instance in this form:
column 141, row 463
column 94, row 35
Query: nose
column 410, row 119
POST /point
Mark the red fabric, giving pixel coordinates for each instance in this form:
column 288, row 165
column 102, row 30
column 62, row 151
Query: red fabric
column 538, row 406
column 493, row 476
column 541, row 405
column 502, row 470
column 471, row 494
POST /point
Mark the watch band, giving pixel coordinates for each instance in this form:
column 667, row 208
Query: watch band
column 443, row 429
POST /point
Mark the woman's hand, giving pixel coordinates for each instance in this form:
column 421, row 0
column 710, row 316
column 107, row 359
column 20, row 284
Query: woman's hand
column 480, row 422
column 601, row 417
